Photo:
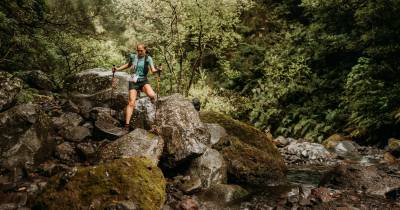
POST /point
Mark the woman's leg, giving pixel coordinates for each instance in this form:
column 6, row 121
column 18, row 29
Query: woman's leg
column 149, row 92
column 131, row 105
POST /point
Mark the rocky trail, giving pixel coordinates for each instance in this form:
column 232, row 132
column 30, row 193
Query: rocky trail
column 66, row 151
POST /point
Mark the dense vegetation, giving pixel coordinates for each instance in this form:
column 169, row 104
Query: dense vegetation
column 303, row 68
column 320, row 67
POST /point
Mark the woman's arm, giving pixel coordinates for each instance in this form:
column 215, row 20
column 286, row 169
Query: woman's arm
column 127, row 65
column 153, row 69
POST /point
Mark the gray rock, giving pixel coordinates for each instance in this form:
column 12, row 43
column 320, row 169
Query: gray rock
column 216, row 132
column 76, row 133
column 85, row 106
column 66, row 153
column 106, row 126
column 190, row 184
column 9, row 89
column 70, row 106
column 224, row 193
column 94, row 85
column 37, row 79
column 281, row 141
column 210, row 167
column 67, row 119
column 103, row 114
column 94, row 80
column 346, row 148
column 15, row 122
column 138, row 143
column 88, row 150
column 308, row 150
column 105, row 130
column 179, row 124
column 23, row 151
column 144, row 113
column 24, row 140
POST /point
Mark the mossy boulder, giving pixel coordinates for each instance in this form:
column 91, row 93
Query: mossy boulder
column 332, row 141
column 394, row 147
column 246, row 133
column 251, row 156
column 136, row 180
column 138, row 143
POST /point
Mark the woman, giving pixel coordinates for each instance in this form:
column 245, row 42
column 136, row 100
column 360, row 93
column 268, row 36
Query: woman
column 140, row 63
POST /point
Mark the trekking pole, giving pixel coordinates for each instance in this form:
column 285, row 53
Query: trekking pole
column 158, row 92
column 112, row 88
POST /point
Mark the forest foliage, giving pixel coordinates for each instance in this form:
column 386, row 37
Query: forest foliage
column 302, row 68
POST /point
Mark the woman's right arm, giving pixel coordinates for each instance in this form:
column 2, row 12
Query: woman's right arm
column 127, row 65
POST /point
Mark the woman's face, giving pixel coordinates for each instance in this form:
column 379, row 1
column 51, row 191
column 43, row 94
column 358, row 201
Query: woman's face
column 140, row 50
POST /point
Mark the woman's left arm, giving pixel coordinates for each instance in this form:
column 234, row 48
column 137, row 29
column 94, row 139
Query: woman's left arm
column 153, row 69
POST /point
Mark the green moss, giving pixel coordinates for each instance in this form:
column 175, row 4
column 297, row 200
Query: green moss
column 248, row 164
column 25, row 96
column 240, row 193
column 236, row 128
column 31, row 95
column 134, row 179
column 251, row 156
column 246, row 133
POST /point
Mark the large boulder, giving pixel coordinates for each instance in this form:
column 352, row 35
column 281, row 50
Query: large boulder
column 210, row 168
column 68, row 119
column 76, row 133
column 9, row 88
column 138, row 143
column 37, row 79
column 179, row 125
column 251, row 156
column 24, row 140
column 134, row 180
column 145, row 112
column 105, row 126
column 94, row 85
